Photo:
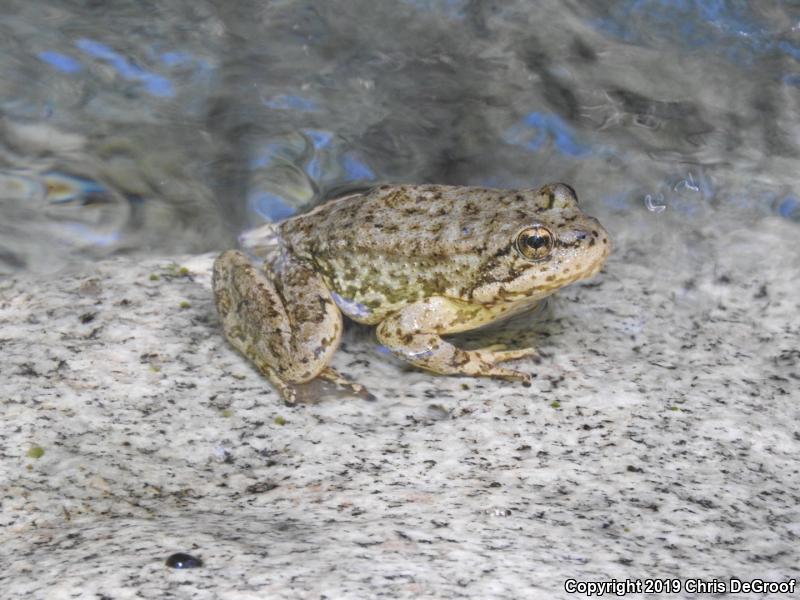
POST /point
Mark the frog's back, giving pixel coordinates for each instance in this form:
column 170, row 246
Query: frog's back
column 399, row 243
column 423, row 221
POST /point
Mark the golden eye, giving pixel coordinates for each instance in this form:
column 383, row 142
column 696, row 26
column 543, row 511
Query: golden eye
column 535, row 243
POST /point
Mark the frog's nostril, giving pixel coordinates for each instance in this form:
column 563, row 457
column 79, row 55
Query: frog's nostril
column 581, row 235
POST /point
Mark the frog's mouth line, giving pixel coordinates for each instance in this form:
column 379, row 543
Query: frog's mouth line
column 549, row 287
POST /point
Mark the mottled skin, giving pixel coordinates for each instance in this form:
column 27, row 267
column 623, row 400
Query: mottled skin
column 417, row 261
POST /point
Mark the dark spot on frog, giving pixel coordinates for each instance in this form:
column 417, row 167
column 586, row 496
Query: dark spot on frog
column 88, row 317
column 181, row 560
column 568, row 244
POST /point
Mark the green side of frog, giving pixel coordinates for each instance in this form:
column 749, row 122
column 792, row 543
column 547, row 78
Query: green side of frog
column 416, row 261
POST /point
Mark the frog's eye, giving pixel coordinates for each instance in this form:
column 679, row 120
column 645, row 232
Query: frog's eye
column 535, row 243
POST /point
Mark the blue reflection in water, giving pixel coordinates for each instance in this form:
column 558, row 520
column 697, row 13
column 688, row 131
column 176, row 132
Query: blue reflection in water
column 546, row 126
column 61, row 188
column 62, row 62
column 173, row 59
column 88, row 235
column 291, row 102
column 314, row 169
column 793, row 79
column 355, row 169
column 319, row 137
column 270, row 206
column 789, row 207
column 154, row 84
column 696, row 23
column 453, row 9
column 265, row 156
column 201, row 68
column 790, row 49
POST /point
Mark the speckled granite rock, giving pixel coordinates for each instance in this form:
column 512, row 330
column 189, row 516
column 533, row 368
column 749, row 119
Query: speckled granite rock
column 660, row 439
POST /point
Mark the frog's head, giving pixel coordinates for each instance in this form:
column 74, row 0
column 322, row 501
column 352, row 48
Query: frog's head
column 551, row 244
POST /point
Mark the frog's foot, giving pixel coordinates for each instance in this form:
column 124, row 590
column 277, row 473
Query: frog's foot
column 500, row 354
column 487, row 359
column 329, row 374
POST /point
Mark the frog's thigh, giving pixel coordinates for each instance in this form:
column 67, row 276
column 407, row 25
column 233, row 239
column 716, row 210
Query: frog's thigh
column 413, row 335
column 288, row 326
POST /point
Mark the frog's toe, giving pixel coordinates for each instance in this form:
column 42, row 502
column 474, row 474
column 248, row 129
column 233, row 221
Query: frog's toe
column 484, row 365
column 287, row 391
column 508, row 375
column 499, row 356
column 329, row 374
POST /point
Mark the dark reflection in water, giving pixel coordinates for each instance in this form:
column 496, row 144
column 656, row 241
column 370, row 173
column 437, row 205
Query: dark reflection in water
column 172, row 127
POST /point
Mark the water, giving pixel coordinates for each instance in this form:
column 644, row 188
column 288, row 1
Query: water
column 171, row 127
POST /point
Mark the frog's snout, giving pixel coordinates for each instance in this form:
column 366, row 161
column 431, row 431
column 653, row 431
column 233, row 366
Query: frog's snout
column 591, row 238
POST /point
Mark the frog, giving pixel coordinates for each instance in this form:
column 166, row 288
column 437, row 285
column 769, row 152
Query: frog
column 417, row 262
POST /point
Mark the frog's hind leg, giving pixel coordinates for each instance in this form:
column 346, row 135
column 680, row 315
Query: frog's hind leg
column 289, row 326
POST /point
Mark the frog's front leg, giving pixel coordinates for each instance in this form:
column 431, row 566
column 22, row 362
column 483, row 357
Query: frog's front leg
column 414, row 334
column 284, row 321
